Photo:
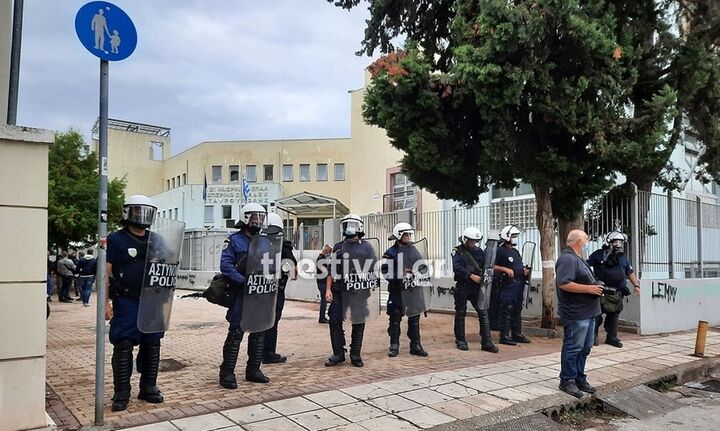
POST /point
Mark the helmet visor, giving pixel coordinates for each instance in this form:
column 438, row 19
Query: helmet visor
column 351, row 227
column 257, row 219
column 141, row 215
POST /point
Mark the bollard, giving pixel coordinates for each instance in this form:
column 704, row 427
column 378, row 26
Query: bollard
column 701, row 338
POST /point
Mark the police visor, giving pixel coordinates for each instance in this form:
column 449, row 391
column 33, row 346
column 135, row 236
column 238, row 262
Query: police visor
column 140, row 214
column 257, row 219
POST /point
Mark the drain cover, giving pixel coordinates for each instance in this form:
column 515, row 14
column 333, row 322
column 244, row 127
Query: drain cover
column 640, row 402
column 536, row 422
column 171, row 365
column 198, row 325
column 712, row 385
column 297, row 318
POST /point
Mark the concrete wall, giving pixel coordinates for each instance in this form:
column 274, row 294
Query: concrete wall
column 130, row 156
column 678, row 305
column 23, row 223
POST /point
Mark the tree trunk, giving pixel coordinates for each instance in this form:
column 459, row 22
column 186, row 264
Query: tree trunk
column 544, row 220
column 566, row 225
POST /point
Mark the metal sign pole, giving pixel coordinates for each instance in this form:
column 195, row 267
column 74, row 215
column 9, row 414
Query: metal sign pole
column 102, row 236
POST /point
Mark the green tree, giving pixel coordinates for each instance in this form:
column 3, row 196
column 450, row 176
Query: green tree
column 73, row 192
column 561, row 94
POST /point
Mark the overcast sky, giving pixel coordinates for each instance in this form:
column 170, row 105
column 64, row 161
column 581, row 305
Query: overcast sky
column 207, row 69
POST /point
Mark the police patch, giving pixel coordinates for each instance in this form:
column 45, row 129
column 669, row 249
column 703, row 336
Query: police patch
column 510, row 258
column 226, row 244
column 452, row 253
column 132, row 252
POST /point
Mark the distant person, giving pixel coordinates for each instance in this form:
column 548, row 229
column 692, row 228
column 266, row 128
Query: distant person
column 66, row 269
column 87, row 270
column 321, row 263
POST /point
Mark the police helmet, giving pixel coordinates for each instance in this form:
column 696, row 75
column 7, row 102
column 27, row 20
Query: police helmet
column 471, row 233
column 138, row 211
column 401, row 229
column 352, row 225
column 253, row 216
column 274, row 224
column 510, row 234
column 616, row 240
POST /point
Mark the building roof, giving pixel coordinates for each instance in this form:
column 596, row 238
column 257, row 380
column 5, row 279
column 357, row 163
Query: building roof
column 309, row 204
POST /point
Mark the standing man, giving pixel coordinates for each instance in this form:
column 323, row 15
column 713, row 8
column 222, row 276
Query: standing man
column 467, row 259
column 322, row 271
column 289, row 270
column 508, row 262
column 357, row 251
column 613, row 268
column 578, row 306
column 87, row 268
column 66, row 269
column 233, row 266
column 127, row 251
column 396, row 267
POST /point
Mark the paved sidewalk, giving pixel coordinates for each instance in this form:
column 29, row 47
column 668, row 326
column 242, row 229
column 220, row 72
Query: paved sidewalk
column 192, row 351
column 426, row 400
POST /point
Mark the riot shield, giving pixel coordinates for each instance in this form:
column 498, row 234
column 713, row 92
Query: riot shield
column 360, row 280
column 415, row 272
column 487, row 281
column 161, row 263
column 262, row 277
column 528, row 258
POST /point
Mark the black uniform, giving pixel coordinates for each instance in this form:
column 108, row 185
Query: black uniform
column 467, row 262
column 612, row 269
column 270, row 344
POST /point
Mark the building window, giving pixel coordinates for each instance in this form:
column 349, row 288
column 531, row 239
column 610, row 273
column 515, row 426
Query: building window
column 234, row 173
column 217, row 174
column 209, row 214
column 184, row 179
column 178, row 180
column 404, row 192
column 168, row 184
column 156, row 151
column 339, row 171
column 251, row 173
column 304, row 173
column 175, row 214
column 268, row 172
column 521, row 190
column 321, row 172
column 287, row 172
column 173, row 183
column 227, row 211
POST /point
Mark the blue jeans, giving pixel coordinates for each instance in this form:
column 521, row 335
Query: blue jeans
column 85, row 285
column 577, row 341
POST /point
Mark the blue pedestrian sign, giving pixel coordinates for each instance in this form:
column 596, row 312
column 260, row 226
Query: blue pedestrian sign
column 106, row 31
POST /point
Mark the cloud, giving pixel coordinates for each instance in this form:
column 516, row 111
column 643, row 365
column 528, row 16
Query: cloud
column 209, row 70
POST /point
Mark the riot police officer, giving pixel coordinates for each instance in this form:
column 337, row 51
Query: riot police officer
column 468, row 259
column 508, row 262
column 232, row 262
column 612, row 267
column 403, row 235
column 288, row 268
column 353, row 231
column 127, row 251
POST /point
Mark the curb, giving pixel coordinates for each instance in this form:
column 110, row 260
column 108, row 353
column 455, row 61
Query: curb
column 553, row 405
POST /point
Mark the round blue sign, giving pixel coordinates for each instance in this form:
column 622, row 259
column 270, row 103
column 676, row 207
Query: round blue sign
column 106, row 31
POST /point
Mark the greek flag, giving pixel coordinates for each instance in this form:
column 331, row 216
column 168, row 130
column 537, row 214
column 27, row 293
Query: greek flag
column 246, row 189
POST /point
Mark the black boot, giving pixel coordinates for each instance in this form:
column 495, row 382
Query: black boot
column 598, row 322
column 414, row 334
column 337, row 341
column 269, row 346
column 149, row 356
column 394, row 333
column 486, row 343
column 516, row 326
column 122, row 366
column 231, row 350
column 504, row 322
column 460, row 342
column 255, row 356
column 611, row 327
column 356, row 339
